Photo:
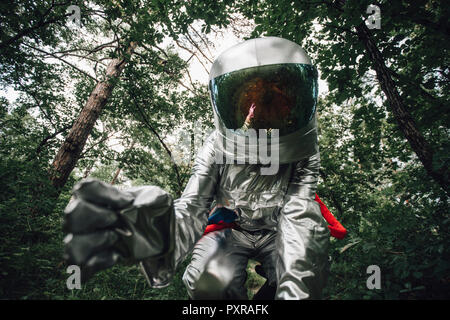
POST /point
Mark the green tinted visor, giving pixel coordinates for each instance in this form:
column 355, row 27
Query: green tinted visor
column 279, row 96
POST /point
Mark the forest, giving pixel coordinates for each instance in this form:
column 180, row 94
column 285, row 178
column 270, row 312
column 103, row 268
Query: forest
column 117, row 90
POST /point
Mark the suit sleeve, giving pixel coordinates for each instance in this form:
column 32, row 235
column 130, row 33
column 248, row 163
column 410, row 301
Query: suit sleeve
column 174, row 226
column 303, row 237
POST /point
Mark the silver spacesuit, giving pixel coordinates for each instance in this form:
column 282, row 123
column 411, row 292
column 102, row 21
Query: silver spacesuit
column 266, row 84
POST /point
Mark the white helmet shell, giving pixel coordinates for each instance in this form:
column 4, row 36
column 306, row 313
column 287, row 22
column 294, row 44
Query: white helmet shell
column 258, row 52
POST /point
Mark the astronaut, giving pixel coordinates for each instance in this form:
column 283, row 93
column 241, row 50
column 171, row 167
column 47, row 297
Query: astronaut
column 265, row 88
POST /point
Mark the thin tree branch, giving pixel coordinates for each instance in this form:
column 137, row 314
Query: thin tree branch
column 193, row 53
column 82, row 155
column 202, row 39
column 51, row 136
column 150, row 127
column 88, row 50
column 40, row 24
column 196, row 46
column 66, row 62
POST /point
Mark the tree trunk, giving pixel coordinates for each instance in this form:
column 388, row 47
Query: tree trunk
column 70, row 151
column 404, row 119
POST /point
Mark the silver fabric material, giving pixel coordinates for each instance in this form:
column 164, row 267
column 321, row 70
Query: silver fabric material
column 303, row 237
column 105, row 225
column 258, row 52
column 281, row 204
column 219, row 261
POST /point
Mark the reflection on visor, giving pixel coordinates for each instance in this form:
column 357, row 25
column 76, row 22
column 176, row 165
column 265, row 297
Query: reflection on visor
column 281, row 96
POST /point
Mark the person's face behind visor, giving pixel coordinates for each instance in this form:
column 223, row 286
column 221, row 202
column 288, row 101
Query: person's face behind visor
column 280, row 96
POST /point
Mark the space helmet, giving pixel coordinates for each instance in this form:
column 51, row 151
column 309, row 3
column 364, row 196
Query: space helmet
column 264, row 86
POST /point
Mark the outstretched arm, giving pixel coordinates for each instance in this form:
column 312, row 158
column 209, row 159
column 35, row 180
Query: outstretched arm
column 189, row 219
column 141, row 224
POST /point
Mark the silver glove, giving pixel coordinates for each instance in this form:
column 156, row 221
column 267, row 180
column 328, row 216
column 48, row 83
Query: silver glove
column 105, row 224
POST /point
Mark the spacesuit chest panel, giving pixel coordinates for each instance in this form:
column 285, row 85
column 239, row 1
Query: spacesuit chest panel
column 256, row 198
